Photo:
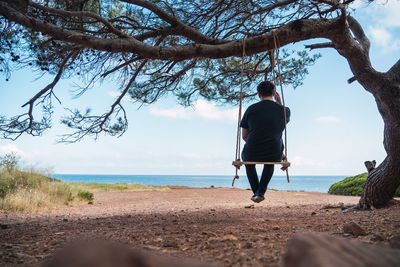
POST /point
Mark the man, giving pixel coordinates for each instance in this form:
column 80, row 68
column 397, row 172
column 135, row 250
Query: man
column 262, row 126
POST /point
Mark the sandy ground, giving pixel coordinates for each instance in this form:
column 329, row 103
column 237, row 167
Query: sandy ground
column 219, row 225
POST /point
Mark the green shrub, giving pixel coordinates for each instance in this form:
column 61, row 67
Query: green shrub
column 352, row 186
column 70, row 197
column 85, row 195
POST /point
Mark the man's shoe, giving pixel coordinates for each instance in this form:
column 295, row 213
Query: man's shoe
column 253, row 198
column 258, row 199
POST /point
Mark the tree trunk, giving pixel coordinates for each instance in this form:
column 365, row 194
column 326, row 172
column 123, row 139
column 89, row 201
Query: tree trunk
column 383, row 181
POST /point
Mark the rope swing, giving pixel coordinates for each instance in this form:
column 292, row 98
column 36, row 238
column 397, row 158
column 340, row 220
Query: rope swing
column 274, row 56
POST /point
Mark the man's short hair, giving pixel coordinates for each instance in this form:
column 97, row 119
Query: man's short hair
column 266, row 88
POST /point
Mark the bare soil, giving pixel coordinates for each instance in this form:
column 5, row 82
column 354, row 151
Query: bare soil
column 217, row 225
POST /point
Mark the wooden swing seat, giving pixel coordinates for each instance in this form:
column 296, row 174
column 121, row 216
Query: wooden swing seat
column 239, row 163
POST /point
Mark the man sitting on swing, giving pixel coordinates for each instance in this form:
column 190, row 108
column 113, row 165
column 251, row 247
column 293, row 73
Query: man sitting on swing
column 262, row 126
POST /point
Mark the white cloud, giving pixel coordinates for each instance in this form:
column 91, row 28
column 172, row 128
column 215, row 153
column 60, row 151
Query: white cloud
column 388, row 12
column 383, row 18
column 384, row 38
column 10, row 148
column 208, row 110
column 200, row 109
column 115, row 94
column 195, row 156
column 358, row 4
column 301, row 161
column 177, row 112
column 333, row 119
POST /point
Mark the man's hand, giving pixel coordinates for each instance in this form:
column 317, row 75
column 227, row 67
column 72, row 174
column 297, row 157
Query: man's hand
column 277, row 98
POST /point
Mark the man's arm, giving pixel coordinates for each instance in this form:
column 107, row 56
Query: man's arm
column 277, row 98
column 244, row 134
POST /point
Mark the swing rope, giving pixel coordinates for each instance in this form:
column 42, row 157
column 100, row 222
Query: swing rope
column 277, row 44
column 238, row 163
column 238, row 137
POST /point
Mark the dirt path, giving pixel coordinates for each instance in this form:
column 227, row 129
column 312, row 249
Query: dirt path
column 206, row 224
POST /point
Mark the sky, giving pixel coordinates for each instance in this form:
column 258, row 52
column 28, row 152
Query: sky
column 334, row 127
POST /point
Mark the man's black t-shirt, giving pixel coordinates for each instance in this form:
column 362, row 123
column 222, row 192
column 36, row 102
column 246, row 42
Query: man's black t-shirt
column 265, row 122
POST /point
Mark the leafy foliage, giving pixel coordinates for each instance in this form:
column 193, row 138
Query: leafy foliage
column 142, row 80
column 352, row 186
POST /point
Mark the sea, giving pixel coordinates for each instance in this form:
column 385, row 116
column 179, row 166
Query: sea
column 307, row 183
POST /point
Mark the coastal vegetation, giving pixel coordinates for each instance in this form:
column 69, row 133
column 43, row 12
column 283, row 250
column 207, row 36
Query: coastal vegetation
column 352, row 186
column 27, row 189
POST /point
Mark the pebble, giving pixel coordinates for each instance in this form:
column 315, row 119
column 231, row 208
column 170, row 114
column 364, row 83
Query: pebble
column 377, row 238
column 353, row 229
column 394, row 241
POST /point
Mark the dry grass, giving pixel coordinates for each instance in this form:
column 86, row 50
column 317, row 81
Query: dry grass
column 117, row 187
column 30, row 191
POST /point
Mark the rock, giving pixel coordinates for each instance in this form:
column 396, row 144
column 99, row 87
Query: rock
column 4, row 226
column 170, row 244
column 229, row 238
column 377, row 238
column 353, row 229
column 276, row 227
column 251, row 206
column 65, row 220
column 107, row 254
column 59, row 233
column 394, row 241
column 315, row 249
column 224, row 238
column 248, row 245
column 313, row 213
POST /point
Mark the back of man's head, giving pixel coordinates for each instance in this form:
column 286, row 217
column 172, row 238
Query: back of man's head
column 266, row 88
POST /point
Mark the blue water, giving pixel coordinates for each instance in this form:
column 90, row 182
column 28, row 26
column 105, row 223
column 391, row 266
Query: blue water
column 297, row 183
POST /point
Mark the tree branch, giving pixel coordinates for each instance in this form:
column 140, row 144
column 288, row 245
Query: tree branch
column 320, row 45
column 358, row 32
column 395, row 70
column 295, row 31
column 81, row 14
column 184, row 29
column 85, row 124
column 49, row 87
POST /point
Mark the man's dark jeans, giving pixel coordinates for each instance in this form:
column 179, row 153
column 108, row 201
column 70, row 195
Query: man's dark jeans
column 259, row 187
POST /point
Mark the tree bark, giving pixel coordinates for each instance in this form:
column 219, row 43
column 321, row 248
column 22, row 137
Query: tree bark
column 383, row 181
